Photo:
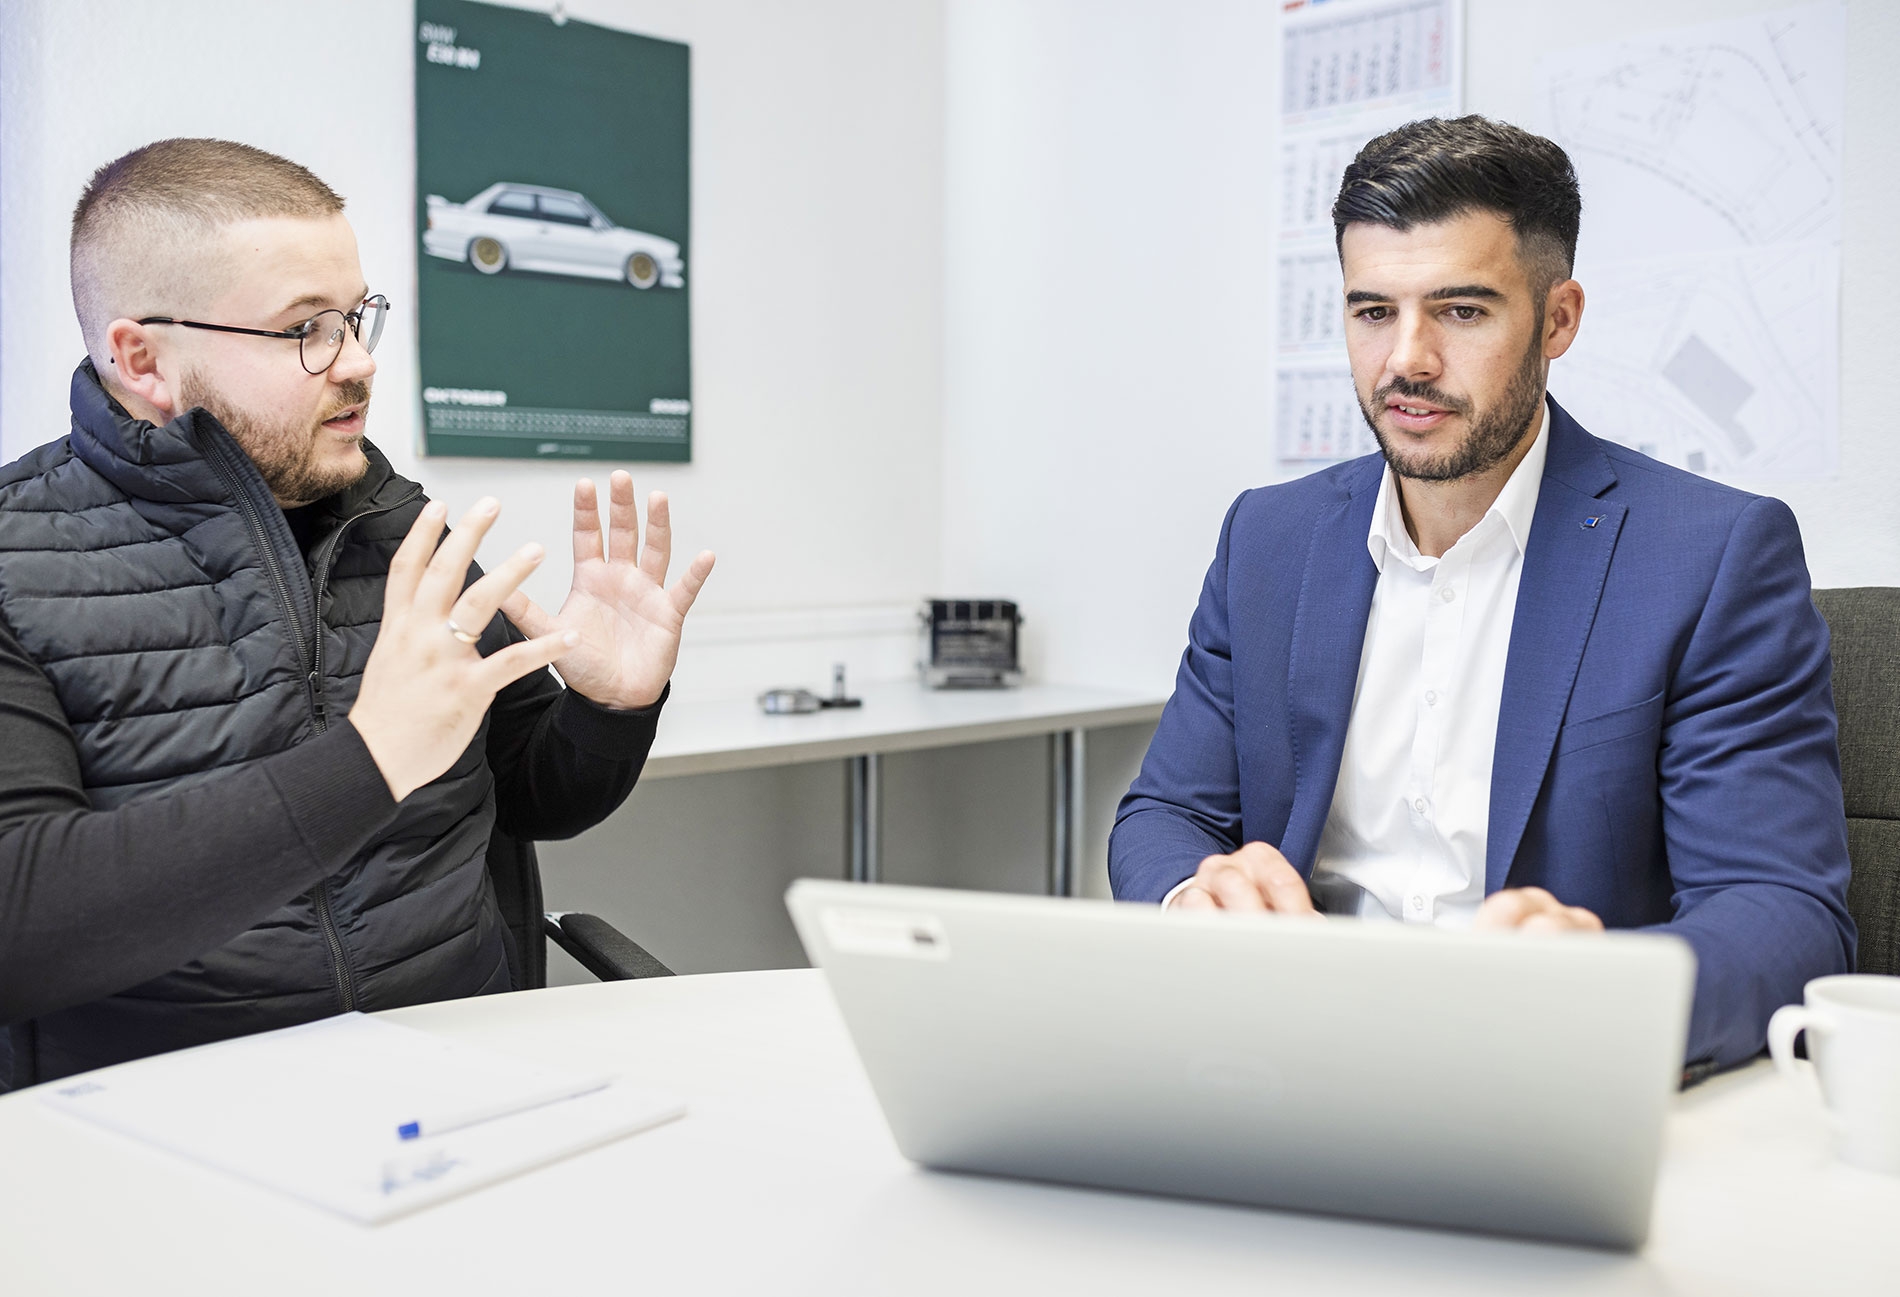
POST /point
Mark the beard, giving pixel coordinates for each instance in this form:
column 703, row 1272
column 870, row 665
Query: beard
column 286, row 451
column 1494, row 432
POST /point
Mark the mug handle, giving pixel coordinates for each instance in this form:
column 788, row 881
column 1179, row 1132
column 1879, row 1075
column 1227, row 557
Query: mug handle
column 1789, row 1021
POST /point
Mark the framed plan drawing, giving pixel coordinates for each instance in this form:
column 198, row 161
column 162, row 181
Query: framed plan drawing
column 1711, row 163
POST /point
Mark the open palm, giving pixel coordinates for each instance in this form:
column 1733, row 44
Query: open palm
column 628, row 619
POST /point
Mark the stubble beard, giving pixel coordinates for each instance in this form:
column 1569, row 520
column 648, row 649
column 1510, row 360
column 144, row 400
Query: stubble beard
column 1494, row 433
column 285, row 451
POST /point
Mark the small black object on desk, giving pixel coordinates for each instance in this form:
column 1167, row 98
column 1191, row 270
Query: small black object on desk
column 798, row 702
column 969, row 644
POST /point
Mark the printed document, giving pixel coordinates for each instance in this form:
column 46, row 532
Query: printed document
column 339, row 1112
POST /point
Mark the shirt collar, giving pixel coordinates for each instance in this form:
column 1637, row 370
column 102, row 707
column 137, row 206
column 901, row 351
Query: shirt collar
column 1515, row 506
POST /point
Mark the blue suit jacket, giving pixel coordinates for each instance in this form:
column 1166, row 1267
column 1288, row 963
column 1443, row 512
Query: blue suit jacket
column 1666, row 751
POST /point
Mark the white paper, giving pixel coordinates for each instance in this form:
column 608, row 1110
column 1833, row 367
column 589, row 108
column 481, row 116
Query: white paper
column 1726, row 363
column 1350, row 69
column 313, row 1111
column 1710, row 161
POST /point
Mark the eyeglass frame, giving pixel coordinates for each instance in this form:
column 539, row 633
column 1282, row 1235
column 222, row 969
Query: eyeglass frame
column 300, row 332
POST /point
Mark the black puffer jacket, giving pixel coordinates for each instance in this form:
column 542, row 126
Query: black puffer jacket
column 149, row 574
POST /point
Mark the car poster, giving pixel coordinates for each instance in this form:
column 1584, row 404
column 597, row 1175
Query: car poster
column 552, row 229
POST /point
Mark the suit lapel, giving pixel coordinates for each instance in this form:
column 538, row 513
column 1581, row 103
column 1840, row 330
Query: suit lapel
column 1565, row 563
column 1329, row 631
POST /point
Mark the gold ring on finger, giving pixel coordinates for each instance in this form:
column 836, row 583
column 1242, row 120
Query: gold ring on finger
column 467, row 637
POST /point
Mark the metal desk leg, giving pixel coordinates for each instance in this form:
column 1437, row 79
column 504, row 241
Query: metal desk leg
column 1066, row 785
column 861, row 819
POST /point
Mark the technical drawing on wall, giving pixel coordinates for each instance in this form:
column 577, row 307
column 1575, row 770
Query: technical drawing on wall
column 1350, row 70
column 1710, row 160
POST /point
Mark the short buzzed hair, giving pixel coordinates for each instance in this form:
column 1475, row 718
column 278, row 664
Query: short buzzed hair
column 1439, row 168
column 142, row 225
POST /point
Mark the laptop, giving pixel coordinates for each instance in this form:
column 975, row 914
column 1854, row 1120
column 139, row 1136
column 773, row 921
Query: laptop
column 1504, row 1082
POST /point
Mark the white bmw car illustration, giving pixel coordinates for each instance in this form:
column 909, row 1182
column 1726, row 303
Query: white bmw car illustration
column 555, row 231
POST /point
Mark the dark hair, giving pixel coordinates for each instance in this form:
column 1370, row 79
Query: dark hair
column 1435, row 169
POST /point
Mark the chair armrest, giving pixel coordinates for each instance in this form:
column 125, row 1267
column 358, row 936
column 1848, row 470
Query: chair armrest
column 601, row 948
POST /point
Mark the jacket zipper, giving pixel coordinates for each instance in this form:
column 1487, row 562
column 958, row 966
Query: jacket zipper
column 235, row 485
column 312, row 661
column 319, row 707
column 326, row 913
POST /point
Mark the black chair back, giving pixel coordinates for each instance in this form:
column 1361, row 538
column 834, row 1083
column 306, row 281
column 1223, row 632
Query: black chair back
column 1865, row 624
column 515, row 874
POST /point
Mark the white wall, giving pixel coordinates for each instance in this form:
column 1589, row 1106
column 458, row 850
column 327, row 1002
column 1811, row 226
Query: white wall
column 817, row 302
column 1107, row 325
column 1109, row 286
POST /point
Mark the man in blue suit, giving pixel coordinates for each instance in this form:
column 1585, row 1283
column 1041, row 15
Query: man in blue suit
column 1502, row 674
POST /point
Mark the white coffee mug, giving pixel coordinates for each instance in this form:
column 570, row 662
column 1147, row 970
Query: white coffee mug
column 1853, row 1025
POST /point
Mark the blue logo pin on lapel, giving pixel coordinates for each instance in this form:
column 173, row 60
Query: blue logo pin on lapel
column 1592, row 521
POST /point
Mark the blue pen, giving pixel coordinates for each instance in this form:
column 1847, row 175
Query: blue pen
column 437, row 1123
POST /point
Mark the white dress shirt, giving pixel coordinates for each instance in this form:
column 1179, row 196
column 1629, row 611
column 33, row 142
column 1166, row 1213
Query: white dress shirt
column 1412, row 809
column 1411, row 812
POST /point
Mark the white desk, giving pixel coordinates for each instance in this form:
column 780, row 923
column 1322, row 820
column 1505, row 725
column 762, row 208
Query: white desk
column 783, row 1179
column 706, row 736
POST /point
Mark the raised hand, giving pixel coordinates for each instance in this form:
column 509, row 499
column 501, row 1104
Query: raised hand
column 425, row 689
column 627, row 618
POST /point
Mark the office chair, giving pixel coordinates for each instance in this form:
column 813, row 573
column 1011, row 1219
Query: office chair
column 595, row 944
column 1865, row 624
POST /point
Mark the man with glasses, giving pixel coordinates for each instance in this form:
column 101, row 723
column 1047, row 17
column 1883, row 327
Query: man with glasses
column 259, row 716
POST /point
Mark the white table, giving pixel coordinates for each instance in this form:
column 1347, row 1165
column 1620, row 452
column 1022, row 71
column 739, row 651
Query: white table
column 782, row 1179
column 707, row 736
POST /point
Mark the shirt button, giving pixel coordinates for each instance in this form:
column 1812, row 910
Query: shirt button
column 1418, row 904
column 1448, row 594
column 1431, row 698
column 1418, row 804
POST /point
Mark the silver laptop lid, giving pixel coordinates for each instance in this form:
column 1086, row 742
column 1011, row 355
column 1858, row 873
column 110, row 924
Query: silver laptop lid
column 1497, row 1081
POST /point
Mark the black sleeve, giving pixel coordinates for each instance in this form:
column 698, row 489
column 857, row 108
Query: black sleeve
column 562, row 764
column 93, row 902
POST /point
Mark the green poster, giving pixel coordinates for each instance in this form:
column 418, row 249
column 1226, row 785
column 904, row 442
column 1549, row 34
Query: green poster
column 552, row 216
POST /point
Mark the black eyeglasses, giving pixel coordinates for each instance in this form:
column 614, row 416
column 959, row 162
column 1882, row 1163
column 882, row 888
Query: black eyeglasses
column 319, row 339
